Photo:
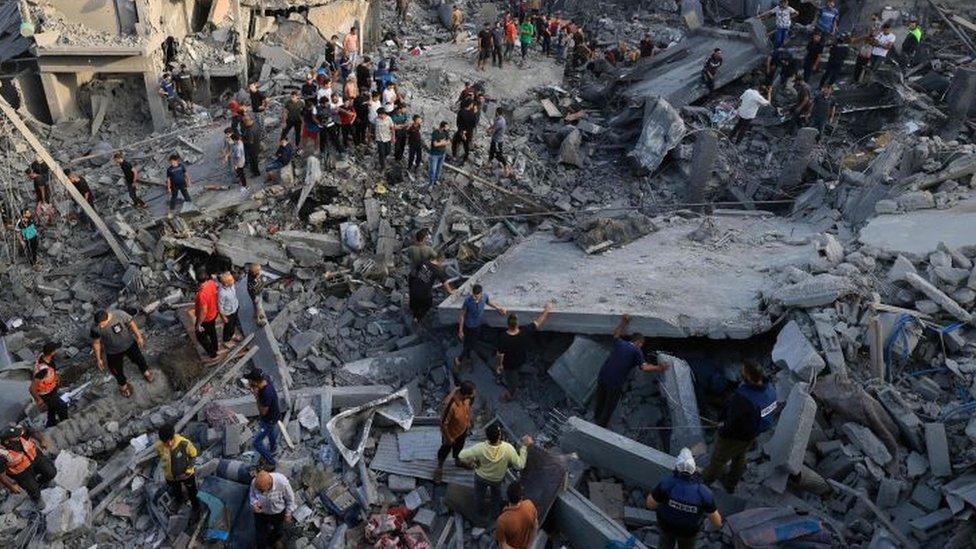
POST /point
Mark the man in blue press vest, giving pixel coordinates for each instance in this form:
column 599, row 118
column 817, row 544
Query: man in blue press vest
column 681, row 501
column 748, row 413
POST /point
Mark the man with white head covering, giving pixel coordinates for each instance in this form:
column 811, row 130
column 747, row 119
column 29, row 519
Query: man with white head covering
column 681, row 501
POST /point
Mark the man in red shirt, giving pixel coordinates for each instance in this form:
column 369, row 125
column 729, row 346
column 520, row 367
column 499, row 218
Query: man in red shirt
column 519, row 521
column 206, row 313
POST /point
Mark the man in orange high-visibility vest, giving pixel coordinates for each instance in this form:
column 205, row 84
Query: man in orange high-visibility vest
column 45, row 383
column 24, row 461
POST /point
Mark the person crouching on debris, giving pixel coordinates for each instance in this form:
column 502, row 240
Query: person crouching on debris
column 748, row 414
column 272, row 502
column 27, row 236
column 469, row 323
column 177, row 181
column 24, row 462
column 681, row 501
column 710, row 69
column 517, row 525
column 116, row 333
column 513, row 347
column 491, row 460
column 455, row 425
column 269, row 412
column 45, row 383
column 627, row 354
column 281, row 161
column 176, row 456
column 228, row 305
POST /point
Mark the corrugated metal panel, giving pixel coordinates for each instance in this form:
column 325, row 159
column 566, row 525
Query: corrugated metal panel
column 387, row 459
column 419, row 443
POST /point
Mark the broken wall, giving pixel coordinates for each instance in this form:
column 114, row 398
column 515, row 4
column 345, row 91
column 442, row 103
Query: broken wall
column 336, row 18
column 173, row 18
column 99, row 15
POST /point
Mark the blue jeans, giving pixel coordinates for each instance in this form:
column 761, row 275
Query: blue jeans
column 436, row 165
column 269, row 431
column 780, row 36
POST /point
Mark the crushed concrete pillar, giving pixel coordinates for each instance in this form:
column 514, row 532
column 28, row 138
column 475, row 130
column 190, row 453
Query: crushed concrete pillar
column 947, row 303
column 679, row 388
column 788, row 445
column 625, row 458
column 937, row 447
column 580, row 520
column 702, row 162
column 800, row 155
column 794, row 351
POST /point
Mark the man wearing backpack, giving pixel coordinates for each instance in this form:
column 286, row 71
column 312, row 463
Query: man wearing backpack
column 748, row 413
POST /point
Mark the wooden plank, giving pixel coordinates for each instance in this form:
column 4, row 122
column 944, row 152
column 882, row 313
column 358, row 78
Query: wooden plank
column 55, row 169
column 963, row 22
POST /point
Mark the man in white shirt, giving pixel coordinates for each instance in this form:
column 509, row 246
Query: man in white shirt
column 749, row 103
column 784, row 19
column 389, row 98
column 882, row 44
column 325, row 90
column 272, row 502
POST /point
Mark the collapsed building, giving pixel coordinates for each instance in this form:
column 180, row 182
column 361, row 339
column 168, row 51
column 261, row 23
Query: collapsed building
column 844, row 265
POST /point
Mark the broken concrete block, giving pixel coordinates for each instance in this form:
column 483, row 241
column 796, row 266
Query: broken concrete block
column 662, row 130
column 425, row 517
column 926, row 497
column 52, row 497
column 888, row 492
column 938, row 296
column 789, row 442
column 569, row 150
column 794, row 351
column 233, row 435
column 73, row 471
column 69, row 515
column 827, row 252
column 951, row 275
column 626, row 458
column 416, row 499
column 303, row 342
column 900, row 268
column 958, row 258
column 679, row 388
column 916, row 200
column 863, row 438
column 399, row 483
column 909, row 425
column 937, row 447
column 576, row 370
column 308, row 419
column 822, row 289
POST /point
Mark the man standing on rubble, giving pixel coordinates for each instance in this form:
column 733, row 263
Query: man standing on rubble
column 42, row 193
column 439, row 140
column 839, row 52
column 420, row 251
column 811, row 62
column 24, row 461
column 681, row 501
column 517, row 525
column 259, row 104
column 383, row 130
column 117, row 334
column 228, row 305
column 497, row 143
column 272, row 502
column 823, row 110
column 748, row 414
column 749, row 103
column 484, row 46
column 205, row 313
column 909, row 47
column 269, row 412
column 828, row 18
column 176, row 456
column 457, row 18
column 255, row 291
column 251, row 138
column 415, row 142
column 421, row 284
column 350, row 44
column 513, row 348
column 81, row 185
column 710, row 69
column 526, row 36
column 882, row 43
column 497, row 44
column 467, row 121
column 129, row 174
column 627, row 354
column 45, row 383
column 784, row 20
column 177, row 181
column 804, row 101
column 291, row 116
column 491, row 460
column 469, row 323
column 455, row 424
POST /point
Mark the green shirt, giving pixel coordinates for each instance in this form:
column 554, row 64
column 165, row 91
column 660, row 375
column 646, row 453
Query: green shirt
column 494, row 461
column 526, row 32
column 399, row 120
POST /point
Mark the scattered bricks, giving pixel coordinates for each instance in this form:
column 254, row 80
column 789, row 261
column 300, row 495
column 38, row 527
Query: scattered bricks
column 425, row 517
column 827, row 446
column 864, row 439
column 303, row 342
column 836, row 465
column 926, row 388
column 938, row 449
column 908, row 423
column 416, row 499
column 926, row 497
column 794, row 351
column 399, row 483
column 788, row 445
column 900, row 268
column 916, row 465
column 938, row 296
column 885, row 206
column 888, row 492
column 827, row 252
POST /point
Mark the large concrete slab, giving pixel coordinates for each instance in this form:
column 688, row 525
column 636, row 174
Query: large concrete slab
column 917, row 234
column 675, row 74
column 678, row 386
column 670, row 285
column 576, row 370
column 585, row 526
column 625, row 458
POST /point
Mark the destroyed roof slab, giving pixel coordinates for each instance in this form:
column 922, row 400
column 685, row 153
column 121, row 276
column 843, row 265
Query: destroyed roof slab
column 917, row 234
column 670, row 285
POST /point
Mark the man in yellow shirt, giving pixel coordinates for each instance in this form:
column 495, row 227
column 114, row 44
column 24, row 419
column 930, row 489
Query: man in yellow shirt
column 491, row 460
column 176, row 455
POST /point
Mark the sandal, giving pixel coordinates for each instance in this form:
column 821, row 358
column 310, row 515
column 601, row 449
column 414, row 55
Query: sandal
column 148, row 375
column 125, row 390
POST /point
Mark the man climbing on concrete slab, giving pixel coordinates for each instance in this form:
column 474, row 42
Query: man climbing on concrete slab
column 519, row 522
column 469, row 323
column 421, row 287
column 681, row 501
column 269, row 412
column 748, row 413
column 116, row 333
column 455, row 424
column 491, row 460
column 176, row 457
column 627, row 354
column 272, row 502
column 710, row 69
column 205, row 313
column 24, row 461
column 513, row 347
column 129, row 174
column 45, row 383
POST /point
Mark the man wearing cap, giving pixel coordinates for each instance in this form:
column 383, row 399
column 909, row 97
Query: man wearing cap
column 681, row 501
column 269, row 412
column 45, row 383
column 272, row 502
column 23, row 460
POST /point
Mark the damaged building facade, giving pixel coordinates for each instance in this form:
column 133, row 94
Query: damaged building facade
column 839, row 259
